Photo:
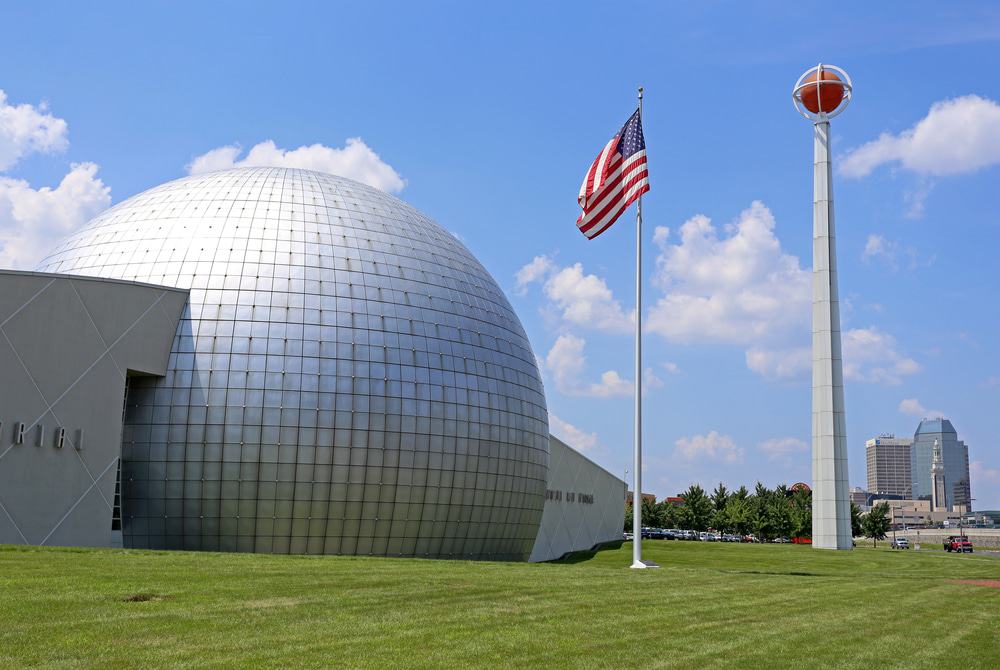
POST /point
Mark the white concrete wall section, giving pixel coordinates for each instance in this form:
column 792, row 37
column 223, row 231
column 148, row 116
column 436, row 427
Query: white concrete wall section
column 584, row 505
column 67, row 345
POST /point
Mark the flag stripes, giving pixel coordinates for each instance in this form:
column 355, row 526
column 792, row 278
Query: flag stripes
column 616, row 179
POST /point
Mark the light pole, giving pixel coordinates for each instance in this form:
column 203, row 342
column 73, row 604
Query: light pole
column 820, row 94
column 962, row 516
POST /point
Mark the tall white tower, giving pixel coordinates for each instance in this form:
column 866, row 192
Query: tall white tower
column 821, row 93
column 939, row 493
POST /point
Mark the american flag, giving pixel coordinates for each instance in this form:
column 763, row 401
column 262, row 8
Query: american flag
column 616, row 179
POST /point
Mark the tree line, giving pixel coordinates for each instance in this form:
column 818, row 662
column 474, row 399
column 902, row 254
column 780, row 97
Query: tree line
column 766, row 513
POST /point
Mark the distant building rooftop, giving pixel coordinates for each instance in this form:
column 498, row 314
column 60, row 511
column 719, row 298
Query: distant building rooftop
column 939, row 425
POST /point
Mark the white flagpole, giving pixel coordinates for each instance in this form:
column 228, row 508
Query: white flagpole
column 637, row 561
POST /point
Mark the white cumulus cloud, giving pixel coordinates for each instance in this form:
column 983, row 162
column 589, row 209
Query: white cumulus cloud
column 781, row 447
column 567, row 362
column 740, row 288
column 585, row 300
column 577, row 298
column 535, row 270
column 891, row 254
column 790, row 363
column 355, row 160
column 575, row 437
column 27, row 129
column 912, row 407
column 872, row 355
column 713, row 447
column 737, row 286
column 957, row 135
column 875, row 245
column 33, row 220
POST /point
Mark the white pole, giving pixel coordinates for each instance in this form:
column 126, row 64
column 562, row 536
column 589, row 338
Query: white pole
column 831, row 506
column 637, row 428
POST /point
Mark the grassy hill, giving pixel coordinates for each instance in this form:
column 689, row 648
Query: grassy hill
column 709, row 605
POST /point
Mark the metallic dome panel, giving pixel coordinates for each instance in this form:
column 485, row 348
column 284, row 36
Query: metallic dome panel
column 346, row 378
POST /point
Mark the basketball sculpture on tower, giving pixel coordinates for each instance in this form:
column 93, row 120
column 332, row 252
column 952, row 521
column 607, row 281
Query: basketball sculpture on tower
column 820, row 94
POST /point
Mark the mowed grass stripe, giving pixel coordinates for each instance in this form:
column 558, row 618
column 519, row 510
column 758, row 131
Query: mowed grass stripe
column 710, row 605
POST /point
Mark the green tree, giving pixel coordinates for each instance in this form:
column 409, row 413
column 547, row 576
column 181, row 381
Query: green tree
column 801, row 513
column 782, row 522
column 696, row 512
column 628, row 518
column 761, row 515
column 668, row 514
column 760, row 521
column 875, row 524
column 719, row 497
column 856, row 529
column 738, row 514
column 651, row 515
column 720, row 521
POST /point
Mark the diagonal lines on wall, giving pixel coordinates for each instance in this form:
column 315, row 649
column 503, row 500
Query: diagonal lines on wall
column 67, row 366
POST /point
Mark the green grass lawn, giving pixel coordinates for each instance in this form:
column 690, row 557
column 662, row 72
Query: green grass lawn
column 709, row 605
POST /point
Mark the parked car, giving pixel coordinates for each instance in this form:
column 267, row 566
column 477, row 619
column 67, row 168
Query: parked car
column 628, row 536
column 900, row 543
column 958, row 543
column 781, row 540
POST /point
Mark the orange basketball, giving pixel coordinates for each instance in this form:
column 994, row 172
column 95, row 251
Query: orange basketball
column 822, row 97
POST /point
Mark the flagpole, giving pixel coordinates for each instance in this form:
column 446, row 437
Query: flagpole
column 637, row 561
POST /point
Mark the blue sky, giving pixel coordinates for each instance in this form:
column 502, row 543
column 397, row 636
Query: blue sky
column 485, row 118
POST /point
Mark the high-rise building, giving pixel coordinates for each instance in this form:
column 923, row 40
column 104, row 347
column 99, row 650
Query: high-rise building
column 859, row 497
column 954, row 455
column 889, row 468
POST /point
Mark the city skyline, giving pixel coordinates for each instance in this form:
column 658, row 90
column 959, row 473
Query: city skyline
column 728, row 217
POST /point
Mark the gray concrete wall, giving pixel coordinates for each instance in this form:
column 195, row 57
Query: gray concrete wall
column 584, row 505
column 67, row 345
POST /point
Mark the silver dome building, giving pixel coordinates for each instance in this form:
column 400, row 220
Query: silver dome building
column 346, row 378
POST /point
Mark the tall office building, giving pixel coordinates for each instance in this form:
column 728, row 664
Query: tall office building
column 954, row 455
column 889, row 469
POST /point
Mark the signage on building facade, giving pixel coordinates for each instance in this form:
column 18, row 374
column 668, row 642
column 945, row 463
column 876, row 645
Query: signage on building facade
column 22, row 432
column 570, row 496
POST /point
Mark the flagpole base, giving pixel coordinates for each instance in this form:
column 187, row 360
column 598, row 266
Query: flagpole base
column 642, row 565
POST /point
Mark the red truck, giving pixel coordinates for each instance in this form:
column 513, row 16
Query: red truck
column 958, row 543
